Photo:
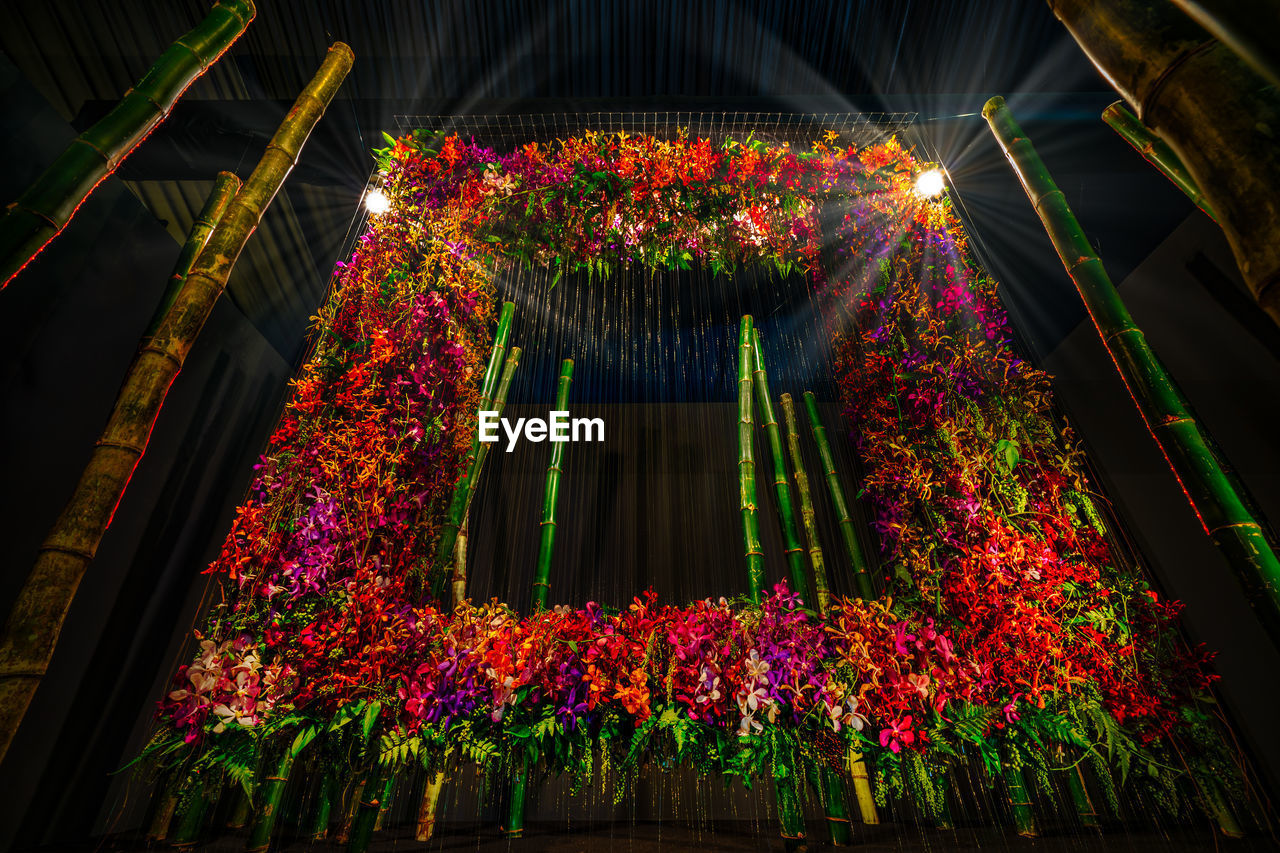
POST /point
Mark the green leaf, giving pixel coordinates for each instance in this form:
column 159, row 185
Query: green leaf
column 304, row 737
column 370, row 719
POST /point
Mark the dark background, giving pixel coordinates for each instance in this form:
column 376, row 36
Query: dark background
column 70, row 323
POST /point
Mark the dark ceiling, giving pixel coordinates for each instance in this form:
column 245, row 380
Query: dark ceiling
column 940, row 59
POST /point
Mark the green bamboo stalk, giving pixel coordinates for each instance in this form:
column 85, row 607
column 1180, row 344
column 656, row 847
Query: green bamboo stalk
column 242, row 811
column 790, row 815
column 271, row 790
column 852, row 545
column 40, row 213
column 1081, row 800
column 384, row 808
column 781, row 487
column 32, row 628
column 807, row 513
column 1186, row 445
column 380, row 783
column 1156, row 152
column 225, row 187
column 473, row 477
column 747, row 466
column 943, row 819
column 1024, row 819
column 323, row 810
column 838, row 825
column 1219, row 809
column 162, row 818
column 191, row 819
column 457, row 511
column 542, row 580
column 514, row 827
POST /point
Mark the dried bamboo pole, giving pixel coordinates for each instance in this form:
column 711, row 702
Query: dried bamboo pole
column 1214, row 110
column 460, row 563
column 457, row 511
column 225, row 187
column 40, row 213
column 781, row 487
column 32, row 628
column 550, row 495
column 862, row 789
column 430, row 804
column 1156, row 152
column 852, row 545
column 747, row 465
column 1242, row 25
column 807, row 513
column 1186, row 445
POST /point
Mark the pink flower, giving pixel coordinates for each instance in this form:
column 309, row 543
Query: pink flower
column 898, row 734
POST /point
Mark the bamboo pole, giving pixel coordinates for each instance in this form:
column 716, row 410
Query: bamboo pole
column 747, row 466
column 1242, row 25
column 1024, row 819
column 457, row 518
column 550, row 495
column 792, row 548
column 40, row 213
column 225, row 187
column 191, row 818
column 457, row 511
column 380, row 784
column 158, row 830
column 430, row 804
column 790, row 815
column 852, row 545
column 1156, row 152
column 323, row 810
column 460, row 563
column 837, row 810
column 272, row 795
column 32, row 628
column 514, row 827
column 862, row 789
column 1186, row 446
column 1081, row 800
column 243, row 810
column 807, row 513
column 1208, row 105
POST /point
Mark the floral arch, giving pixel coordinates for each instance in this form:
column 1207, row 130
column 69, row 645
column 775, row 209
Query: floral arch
column 1011, row 630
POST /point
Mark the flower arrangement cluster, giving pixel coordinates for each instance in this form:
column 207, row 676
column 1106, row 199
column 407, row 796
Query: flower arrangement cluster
column 1009, row 621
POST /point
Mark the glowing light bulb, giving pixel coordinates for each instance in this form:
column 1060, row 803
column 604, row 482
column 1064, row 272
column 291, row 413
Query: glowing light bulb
column 376, row 202
column 930, row 184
